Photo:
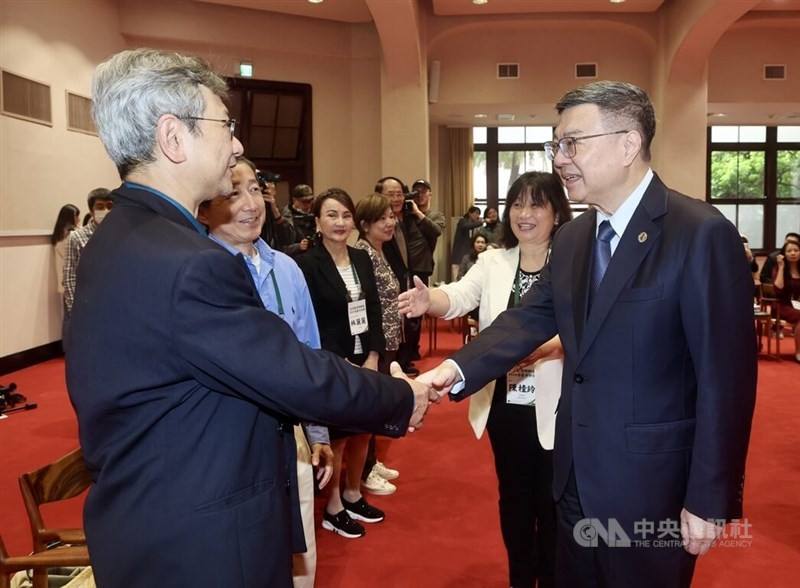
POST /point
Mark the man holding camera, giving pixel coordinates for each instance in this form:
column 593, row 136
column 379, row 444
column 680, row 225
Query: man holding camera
column 418, row 228
column 276, row 232
column 298, row 214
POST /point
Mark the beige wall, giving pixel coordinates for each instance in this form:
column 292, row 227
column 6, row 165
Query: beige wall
column 737, row 61
column 41, row 167
column 60, row 43
column 546, row 50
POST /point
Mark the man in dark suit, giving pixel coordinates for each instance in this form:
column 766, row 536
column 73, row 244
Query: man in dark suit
column 652, row 299
column 185, row 387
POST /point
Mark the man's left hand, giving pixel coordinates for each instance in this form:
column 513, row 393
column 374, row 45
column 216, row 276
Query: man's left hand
column 698, row 534
column 322, row 453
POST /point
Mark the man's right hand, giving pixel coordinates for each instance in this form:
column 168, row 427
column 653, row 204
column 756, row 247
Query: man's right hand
column 442, row 378
column 416, row 301
column 423, row 395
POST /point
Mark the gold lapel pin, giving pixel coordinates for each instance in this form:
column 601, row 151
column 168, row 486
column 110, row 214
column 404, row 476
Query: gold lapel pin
column 642, row 237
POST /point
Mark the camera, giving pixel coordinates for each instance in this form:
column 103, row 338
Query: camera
column 267, row 177
column 408, row 199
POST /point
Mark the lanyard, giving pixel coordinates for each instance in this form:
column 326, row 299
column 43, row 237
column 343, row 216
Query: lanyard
column 517, row 285
column 278, row 298
column 355, row 278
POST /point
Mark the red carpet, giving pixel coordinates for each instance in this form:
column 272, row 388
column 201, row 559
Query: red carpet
column 441, row 528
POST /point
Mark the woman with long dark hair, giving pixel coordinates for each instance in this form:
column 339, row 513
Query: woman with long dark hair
column 787, row 288
column 66, row 222
column 518, row 409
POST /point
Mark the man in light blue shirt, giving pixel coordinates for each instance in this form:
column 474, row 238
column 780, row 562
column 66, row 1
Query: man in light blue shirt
column 234, row 221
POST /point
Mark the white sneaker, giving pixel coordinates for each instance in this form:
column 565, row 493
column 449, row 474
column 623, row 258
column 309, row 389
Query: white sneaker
column 374, row 484
column 384, row 472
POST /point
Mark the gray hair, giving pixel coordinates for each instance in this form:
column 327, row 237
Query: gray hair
column 617, row 100
column 134, row 88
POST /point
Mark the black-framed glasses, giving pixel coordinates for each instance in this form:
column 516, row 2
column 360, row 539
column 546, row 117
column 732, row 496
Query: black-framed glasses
column 569, row 145
column 229, row 122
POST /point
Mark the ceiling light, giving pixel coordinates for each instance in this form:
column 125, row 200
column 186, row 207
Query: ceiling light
column 616, row 1
column 505, row 117
column 480, row 2
column 716, row 114
column 246, row 69
column 481, row 115
column 316, row 1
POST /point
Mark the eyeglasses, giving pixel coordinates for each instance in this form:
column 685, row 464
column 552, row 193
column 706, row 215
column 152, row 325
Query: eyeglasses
column 568, row 145
column 229, row 122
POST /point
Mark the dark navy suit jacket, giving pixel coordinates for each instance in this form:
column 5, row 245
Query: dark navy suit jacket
column 659, row 379
column 185, row 390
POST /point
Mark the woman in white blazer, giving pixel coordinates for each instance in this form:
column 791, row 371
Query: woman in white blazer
column 519, row 409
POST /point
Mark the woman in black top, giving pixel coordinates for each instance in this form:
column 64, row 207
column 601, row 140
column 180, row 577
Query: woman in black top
column 341, row 282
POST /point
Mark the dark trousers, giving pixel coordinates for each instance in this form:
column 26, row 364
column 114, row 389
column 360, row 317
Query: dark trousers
column 579, row 565
column 525, row 477
column 412, row 329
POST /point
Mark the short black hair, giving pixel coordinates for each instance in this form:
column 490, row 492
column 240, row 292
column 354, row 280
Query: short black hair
column 98, row 194
column 543, row 188
column 792, row 235
column 618, row 100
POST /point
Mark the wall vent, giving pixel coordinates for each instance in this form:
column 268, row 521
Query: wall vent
column 79, row 114
column 774, row 72
column 585, row 70
column 506, row 71
column 25, row 99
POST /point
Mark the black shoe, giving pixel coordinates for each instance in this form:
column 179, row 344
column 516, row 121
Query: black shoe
column 342, row 524
column 362, row 511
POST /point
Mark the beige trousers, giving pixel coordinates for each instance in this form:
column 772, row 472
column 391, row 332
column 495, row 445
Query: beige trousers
column 304, row 565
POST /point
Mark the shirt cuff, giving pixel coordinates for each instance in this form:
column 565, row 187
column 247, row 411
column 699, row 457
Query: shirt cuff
column 317, row 434
column 459, row 386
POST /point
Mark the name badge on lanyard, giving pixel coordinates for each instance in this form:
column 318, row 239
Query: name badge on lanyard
column 521, row 386
column 357, row 316
column 521, row 381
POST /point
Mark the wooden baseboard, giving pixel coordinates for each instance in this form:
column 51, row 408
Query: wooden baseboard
column 29, row 357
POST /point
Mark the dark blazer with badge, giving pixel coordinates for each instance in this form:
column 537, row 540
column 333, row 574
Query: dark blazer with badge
column 185, row 390
column 659, row 379
column 329, row 296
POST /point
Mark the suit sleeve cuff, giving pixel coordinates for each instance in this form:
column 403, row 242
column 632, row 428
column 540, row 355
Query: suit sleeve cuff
column 458, row 387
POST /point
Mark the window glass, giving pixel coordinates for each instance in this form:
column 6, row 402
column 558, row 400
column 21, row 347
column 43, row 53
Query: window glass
column 727, row 134
column 510, row 134
column 788, row 221
column 752, row 134
column 788, row 134
column 512, row 164
column 479, row 178
column 479, row 135
column 788, row 174
column 538, row 134
column 737, row 174
column 750, row 223
column 749, row 220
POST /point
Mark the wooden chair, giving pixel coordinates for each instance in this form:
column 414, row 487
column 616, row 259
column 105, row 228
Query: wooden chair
column 63, row 479
column 39, row 563
column 775, row 325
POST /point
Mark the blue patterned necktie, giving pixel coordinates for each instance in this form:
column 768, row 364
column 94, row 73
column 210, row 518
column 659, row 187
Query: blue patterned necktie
column 602, row 254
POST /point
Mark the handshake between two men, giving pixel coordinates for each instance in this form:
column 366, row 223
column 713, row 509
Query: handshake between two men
column 432, row 385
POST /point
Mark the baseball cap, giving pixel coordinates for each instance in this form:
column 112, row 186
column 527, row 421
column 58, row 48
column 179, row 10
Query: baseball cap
column 421, row 182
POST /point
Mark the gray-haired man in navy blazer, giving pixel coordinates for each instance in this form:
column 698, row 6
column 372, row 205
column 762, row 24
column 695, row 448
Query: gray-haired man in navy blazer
column 652, row 298
column 185, row 387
